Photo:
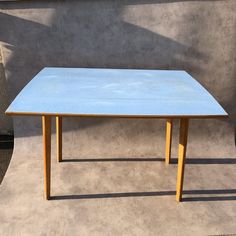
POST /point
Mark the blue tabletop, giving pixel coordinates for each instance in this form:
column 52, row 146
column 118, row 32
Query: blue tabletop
column 115, row 92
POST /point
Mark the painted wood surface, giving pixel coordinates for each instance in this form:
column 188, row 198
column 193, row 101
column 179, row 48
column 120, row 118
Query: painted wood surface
column 115, row 92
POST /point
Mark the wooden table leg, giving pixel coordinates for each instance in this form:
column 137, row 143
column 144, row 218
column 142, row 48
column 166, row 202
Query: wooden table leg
column 46, row 122
column 183, row 136
column 59, row 138
column 169, row 125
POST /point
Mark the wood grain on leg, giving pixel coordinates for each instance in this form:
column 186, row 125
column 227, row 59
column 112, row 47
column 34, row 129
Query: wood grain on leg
column 59, row 138
column 183, row 136
column 46, row 122
column 169, row 125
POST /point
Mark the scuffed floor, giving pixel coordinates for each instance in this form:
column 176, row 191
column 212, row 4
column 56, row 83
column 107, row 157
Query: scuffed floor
column 128, row 196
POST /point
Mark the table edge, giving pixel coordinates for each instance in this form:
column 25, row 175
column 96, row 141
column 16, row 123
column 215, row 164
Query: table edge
column 114, row 116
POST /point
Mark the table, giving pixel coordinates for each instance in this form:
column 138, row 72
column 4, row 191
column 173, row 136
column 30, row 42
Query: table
column 118, row 93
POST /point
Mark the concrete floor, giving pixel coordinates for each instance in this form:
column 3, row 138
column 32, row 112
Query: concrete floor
column 128, row 196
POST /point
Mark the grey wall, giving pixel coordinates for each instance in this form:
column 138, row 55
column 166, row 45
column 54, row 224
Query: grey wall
column 5, row 122
column 197, row 36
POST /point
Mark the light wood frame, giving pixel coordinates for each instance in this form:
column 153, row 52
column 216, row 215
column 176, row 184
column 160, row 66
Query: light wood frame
column 183, row 137
column 59, row 137
column 169, row 125
column 183, row 134
column 46, row 125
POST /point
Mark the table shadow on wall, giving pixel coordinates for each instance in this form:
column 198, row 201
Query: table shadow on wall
column 98, row 39
column 79, row 39
column 95, row 38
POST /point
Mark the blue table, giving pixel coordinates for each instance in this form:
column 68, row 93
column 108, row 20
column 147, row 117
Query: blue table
column 84, row 92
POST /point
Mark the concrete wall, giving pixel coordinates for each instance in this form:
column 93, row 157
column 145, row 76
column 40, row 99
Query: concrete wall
column 6, row 126
column 197, row 36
